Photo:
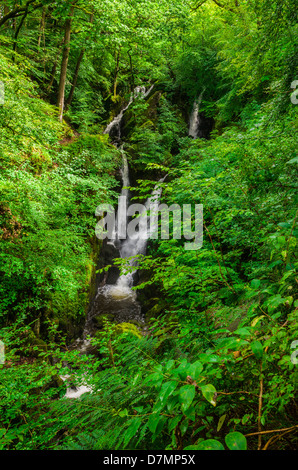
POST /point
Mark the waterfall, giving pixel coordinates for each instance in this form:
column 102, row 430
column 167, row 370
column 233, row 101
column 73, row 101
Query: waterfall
column 124, row 192
column 136, row 245
column 114, row 127
column 118, row 299
column 194, row 120
column 130, row 248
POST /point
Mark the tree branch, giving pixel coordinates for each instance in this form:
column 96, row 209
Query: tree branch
column 19, row 11
column 272, row 430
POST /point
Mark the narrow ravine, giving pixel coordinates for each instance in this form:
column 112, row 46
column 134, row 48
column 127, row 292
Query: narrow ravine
column 115, row 296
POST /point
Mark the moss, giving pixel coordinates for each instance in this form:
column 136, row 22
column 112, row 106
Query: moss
column 70, row 313
column 122, row 328
column 99, row 320
column 155, row 311
column 153, row 102
column 148, row 118
column 40, row 345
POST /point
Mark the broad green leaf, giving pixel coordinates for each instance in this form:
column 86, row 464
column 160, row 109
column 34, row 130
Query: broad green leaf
column 243, row 332
column 153, row 421
column 293, row 160
column 190, row 413
column 159, row 427
column 123, row 413
column 167, row 389
column 183, row 426
column 132, row 429
column 195, row 369
column 209, row 444
column 274, row 302
column 209, row 392
column 256, row 320
column 236, row 441
column 255, row 283
column 173, row 422
column 257, row 349
column 170, row 364
column 186, row 396
column 172, row 402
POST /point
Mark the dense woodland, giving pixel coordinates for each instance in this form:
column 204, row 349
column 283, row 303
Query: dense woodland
column 215, row 365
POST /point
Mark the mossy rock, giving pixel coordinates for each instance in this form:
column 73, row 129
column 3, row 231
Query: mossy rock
column 153, row 103
column 99, row 320
column 155, row 311
column 149, row 116
column 137, row 323
column 56, row 383
column 38, row 346
column 122, row 328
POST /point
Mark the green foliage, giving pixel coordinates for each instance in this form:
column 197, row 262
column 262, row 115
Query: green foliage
column 49, row 192
column 214, row 366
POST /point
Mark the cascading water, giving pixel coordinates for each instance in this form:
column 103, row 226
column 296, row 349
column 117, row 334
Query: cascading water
column 194, row 120
column 136, row 244
column 118, row 299
column 114, row 127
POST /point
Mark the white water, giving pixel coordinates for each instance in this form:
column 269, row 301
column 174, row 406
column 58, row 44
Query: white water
column 115, row 124
column 73, row 391
column 132, row 246
column 119, row 299
column 124, row 193
column 194, row 120
column 136, row 245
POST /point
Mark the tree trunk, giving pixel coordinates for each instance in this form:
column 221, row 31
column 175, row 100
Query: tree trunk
column 41, row 26
column 17, row 33
column 75, row 79
column 116, row 73
column 76, row 73
column 132, row 79
column 54, row 68
column 64, row 62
